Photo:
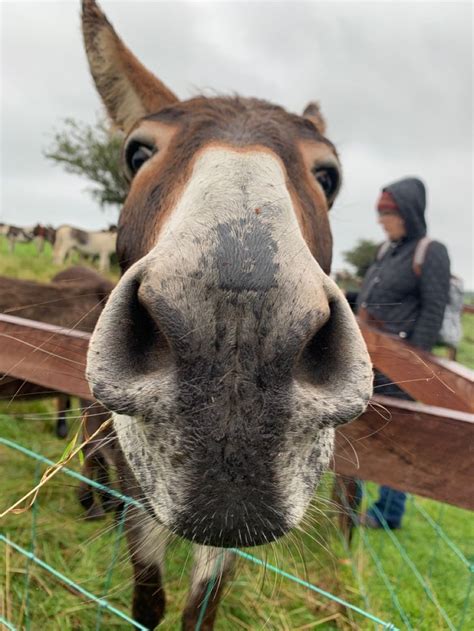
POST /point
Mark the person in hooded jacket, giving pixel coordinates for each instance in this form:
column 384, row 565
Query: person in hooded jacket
column 396, row 299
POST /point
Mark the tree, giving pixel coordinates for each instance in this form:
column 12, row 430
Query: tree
column 361, row 256
column 92, row 152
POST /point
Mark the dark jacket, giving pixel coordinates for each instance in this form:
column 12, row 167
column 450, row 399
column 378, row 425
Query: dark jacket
column 402, row 302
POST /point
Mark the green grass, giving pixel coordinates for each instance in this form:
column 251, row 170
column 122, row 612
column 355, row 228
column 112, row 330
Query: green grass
column 82, row 550
column 27, row 263
column 466, row 348
column 255, row 599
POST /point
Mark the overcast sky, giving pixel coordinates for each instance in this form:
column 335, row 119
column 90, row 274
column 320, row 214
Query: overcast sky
column 394, row 81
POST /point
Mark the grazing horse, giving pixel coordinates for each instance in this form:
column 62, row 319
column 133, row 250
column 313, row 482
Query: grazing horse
column 16, row 234
column 226, row 353
column 100, row 243
column 42, row 234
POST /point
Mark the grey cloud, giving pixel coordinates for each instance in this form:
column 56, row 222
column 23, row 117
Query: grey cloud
column 394, row 81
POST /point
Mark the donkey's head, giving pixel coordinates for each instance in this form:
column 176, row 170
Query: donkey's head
column 226, row 352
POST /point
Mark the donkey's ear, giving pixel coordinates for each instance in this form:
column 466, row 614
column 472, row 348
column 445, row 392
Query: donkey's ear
column 128, row 90
column 313, row 113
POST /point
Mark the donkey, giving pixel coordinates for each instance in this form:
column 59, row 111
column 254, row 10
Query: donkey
column 16, row 234
column 74, row 298
column 226, row 353
column 100, row 243
column 42, row 234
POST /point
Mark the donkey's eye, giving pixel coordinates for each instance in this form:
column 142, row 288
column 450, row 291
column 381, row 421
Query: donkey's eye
column 136, row 154
column 329, row 179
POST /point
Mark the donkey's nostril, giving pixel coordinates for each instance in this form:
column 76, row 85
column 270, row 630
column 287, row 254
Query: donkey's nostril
column 324, row 361
column 128, row 349
column 334, row 372
column 144, row 338
column 318, row 357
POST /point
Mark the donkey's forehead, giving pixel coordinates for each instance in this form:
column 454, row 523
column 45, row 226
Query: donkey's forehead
column 239, row 120
column 181, row 132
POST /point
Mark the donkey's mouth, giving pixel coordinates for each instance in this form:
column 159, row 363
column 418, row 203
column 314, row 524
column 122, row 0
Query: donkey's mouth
column 229, row 529
column 231, row 526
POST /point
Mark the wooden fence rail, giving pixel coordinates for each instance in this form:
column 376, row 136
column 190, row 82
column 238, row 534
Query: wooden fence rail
column 427, row 378
column 413, row 447
column 425, row 448
column 43, row 354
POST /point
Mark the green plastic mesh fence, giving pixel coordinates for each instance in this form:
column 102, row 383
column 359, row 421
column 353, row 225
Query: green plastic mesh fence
column 61, row 572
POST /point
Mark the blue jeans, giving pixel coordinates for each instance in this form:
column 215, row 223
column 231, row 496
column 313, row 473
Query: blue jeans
column 391, row 505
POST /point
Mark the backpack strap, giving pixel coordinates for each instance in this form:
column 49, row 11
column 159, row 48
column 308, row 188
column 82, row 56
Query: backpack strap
column 382, row 251
column 420, row 254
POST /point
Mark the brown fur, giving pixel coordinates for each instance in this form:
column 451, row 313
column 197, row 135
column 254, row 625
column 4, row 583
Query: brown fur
column 313, row 113
column 47, row 233
column 149, row 595
column 99, row 457
column 74, row 300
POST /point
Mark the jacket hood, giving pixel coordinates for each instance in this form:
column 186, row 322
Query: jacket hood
column 410, row 196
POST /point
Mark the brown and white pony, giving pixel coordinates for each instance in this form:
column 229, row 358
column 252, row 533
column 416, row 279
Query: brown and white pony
column 100, row 243
column 16, row 234
column 226, row 352
column 25, row 234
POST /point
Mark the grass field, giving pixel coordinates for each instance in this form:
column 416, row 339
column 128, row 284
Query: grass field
column 27, row 263
column 256, row 599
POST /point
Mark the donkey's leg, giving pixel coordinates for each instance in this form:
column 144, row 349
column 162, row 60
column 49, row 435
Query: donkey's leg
column 102, row 476
column 101, row 451
column 60, row 253
column 63, row 405
column 95, row 465
column 39, row 243
column 347, row 494
column 85, row 493
column 212, row 567
column 147, row 542
column 104, row 262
